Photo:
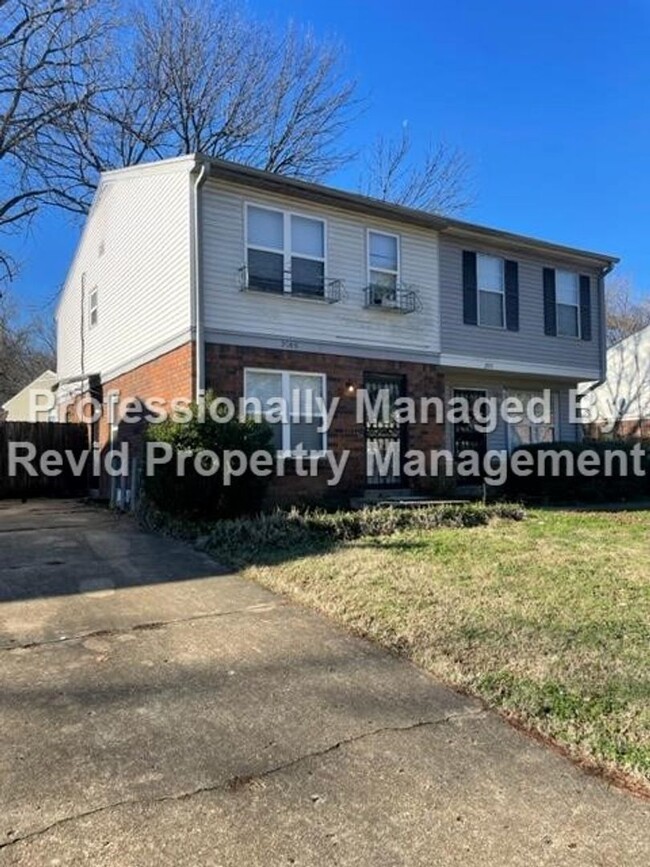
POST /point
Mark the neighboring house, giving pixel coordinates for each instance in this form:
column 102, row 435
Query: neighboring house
column 20, row 407
column 622, row 401
column 196, row 274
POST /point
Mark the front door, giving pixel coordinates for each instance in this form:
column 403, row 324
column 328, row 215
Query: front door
column 466, row 436
column 385, row 437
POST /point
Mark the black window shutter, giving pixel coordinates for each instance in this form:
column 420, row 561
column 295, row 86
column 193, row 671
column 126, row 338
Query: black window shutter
column 470, row 299
column 585, row 307
column 550, row 313
column 511, row 274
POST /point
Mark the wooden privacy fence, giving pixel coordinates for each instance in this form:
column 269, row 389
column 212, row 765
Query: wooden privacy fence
column 44, row 436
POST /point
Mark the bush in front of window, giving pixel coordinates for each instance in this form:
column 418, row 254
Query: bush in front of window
column 619, row 485
column 206, row 496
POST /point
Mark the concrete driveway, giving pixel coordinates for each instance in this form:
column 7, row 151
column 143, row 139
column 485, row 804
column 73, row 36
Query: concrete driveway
column 156, row 711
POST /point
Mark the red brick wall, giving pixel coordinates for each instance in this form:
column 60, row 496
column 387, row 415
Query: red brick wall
column 225, row 376
column 167, row 377
column 628, row 428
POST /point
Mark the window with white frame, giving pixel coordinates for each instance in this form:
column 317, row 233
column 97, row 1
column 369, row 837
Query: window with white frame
column 567, row 301
column 534, row 426
column 383, row 262
column 490, row 285
column 293, row 404
column 285, row 252
column 93, row 308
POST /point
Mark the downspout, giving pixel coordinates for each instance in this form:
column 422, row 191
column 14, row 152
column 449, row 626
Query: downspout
column 604, row 271
column 197, row 273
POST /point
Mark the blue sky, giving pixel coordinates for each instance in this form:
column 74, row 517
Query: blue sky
column 550, row 100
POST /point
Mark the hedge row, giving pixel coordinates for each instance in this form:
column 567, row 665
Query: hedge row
column 616, row 482
column 240, row 539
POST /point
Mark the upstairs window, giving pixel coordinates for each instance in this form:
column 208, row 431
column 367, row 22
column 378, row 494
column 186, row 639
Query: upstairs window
column 285, row 252
column 567, row 301
column 93, row 308
column 383, row 261
column 265, row 234
column 491, row 290
column 302, row 414
column 307, row 255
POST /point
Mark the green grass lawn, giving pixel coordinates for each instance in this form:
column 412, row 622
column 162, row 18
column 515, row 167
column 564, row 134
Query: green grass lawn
column 547, row 619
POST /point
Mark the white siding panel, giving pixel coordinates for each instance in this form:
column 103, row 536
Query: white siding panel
column 625, row 395
column 228, row 309
column 136, row 251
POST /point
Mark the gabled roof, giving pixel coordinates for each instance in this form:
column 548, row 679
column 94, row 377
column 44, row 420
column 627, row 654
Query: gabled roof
column 42, row 379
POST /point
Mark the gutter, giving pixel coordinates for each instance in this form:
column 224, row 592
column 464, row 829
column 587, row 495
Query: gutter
column 197, row 272
column 604, row 271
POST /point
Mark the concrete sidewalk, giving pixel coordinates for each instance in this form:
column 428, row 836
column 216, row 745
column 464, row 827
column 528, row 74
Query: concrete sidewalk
column 156, row 711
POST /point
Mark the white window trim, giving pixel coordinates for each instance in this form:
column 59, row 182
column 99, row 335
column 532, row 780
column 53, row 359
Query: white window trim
column 286, row 451
column 93, row 308
column 501, row 292
column 555, row 409
column 369, row 268
column 286, row 252
column 558, row 304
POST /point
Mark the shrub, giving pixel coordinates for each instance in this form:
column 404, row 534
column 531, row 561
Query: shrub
column 240, row 540
column 194, row 495
column 601, row 487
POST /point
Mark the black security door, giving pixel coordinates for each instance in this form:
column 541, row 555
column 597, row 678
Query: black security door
column 385, row 437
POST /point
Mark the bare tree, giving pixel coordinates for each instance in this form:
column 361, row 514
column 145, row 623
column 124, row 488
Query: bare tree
column 435, row 181
column 44, row 79
column 197, row 78
column 26, row 348
column 627, row 312
column 91, row 85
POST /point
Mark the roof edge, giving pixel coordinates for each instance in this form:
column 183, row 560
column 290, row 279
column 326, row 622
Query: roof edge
column 465, row 229
column 275, row 182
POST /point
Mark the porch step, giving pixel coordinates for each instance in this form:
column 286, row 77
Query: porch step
column 375, row 494
column 472, row 492
column 412, row 501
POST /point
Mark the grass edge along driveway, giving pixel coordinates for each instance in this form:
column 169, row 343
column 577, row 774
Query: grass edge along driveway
column 546, row 619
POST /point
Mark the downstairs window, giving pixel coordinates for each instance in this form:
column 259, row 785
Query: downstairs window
column 292, row 403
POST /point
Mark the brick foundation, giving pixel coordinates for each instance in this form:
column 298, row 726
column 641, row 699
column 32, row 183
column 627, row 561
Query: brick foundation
column 225, row 376
column 172, row 375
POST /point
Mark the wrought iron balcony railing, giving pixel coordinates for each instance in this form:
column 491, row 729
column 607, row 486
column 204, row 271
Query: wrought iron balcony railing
column 326, row 289
column 401, row 299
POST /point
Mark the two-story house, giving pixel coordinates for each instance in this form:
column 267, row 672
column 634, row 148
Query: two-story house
column 195, row 274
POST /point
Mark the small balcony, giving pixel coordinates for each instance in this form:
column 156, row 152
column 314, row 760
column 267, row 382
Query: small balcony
column 325, row 289
column 399, row 299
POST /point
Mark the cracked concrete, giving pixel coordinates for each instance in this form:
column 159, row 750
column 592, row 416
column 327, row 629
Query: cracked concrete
column 176, row 714
column 235, row 783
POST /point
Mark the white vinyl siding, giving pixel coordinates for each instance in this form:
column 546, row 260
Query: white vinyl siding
column 135, row 250
column 289, row 321
column 93, row 308
column 296, row 422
